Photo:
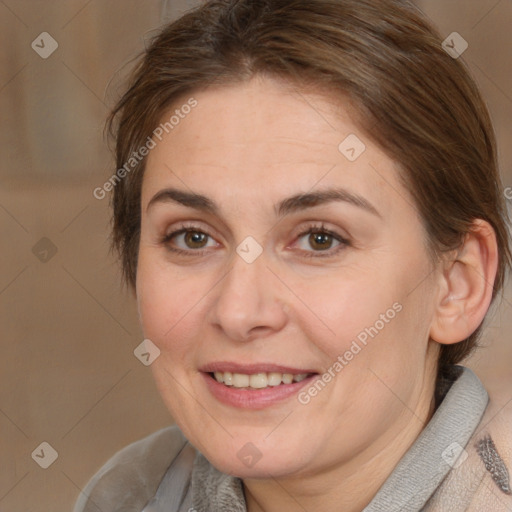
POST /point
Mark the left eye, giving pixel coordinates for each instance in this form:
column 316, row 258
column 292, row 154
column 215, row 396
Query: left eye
column 318, row 241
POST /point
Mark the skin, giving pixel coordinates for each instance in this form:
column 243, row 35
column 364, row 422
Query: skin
column 247, row 147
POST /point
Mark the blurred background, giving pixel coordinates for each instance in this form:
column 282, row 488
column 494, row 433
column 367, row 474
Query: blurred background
column 68, row 329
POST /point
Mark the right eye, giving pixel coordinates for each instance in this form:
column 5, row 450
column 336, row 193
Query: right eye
column 188, row 240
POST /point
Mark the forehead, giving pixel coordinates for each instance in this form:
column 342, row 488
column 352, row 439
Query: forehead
column 266, row 139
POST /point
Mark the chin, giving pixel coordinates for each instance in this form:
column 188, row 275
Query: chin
column 247, row 461
column 260, row 470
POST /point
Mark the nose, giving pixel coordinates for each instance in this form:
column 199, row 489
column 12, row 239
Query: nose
column 247, row 304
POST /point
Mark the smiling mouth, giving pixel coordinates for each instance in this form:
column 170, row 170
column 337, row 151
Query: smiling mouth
column 257, row 380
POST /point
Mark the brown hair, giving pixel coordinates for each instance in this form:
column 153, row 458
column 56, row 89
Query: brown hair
column 415, row 101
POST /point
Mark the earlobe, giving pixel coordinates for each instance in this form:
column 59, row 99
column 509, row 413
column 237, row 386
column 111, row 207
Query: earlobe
column 466, row 286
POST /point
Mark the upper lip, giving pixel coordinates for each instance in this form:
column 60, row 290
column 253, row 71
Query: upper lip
column 253, row 368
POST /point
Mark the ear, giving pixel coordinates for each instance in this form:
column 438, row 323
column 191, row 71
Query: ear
column 466, row 286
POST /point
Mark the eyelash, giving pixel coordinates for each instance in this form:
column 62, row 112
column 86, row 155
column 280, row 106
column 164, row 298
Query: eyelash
column 313, row 228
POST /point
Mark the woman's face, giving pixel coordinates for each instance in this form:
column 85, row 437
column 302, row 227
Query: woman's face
column 303, row 255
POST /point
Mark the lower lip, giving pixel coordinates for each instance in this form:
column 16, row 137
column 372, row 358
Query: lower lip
column 253, row 398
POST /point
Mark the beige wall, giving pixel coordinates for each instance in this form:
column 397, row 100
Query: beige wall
column 68, row 331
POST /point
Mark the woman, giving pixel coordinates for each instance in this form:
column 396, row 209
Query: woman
column 308, row 208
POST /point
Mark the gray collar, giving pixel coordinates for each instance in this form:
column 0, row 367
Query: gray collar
column 422, row 469
column 416, row 477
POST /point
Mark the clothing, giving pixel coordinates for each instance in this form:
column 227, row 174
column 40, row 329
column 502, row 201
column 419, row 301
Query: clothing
column 164, row 473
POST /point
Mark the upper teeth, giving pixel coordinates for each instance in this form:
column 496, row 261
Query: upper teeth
column 257, row 380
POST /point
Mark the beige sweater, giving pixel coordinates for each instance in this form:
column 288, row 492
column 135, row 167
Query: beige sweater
column 459, row 463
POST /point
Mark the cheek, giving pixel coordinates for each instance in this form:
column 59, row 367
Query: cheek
column 167, row 302
column 370, row 316
column 346, row 306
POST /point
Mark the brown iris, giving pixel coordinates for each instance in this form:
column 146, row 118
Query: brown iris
column 320, row 241
column 195, row 239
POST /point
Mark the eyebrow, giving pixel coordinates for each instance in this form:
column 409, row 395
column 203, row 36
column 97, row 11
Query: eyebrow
column 285, row 207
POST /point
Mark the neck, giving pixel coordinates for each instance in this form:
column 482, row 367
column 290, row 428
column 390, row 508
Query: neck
column 352, row 485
